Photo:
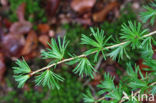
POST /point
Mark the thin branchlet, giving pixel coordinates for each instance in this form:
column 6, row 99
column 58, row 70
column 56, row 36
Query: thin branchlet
column 50, row 79
column 83, row 55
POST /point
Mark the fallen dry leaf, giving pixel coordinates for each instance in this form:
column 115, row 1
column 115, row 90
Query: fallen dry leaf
column 12, row 44
column 82, row 6
column 31, row 43
column 44, row 28
column 2, row 67
column 20, row 27
column 51, row 7
column 21, row 11
column 44, row 39
column 101, row 15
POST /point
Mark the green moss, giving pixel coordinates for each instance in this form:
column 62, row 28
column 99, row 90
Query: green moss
column 73, row 33
column 33, row 10
column 70, row 92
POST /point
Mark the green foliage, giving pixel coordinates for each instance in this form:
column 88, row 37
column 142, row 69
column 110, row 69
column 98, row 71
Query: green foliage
column 22, row 67
column 147, row 50
column 135, row 38
column 108, row 86
column 153, row 90
column 21, row 79
column 99, row 43
column 119, row 52
column 131, row 73
column 48, row 78
column 21, row 72
column 57, row 51
column 133, row 33
column 151, row 63
column 133, row 80
column 138, row 84
column 149, row 14
column 88, row 97
column 83, row 67
column 33, row 10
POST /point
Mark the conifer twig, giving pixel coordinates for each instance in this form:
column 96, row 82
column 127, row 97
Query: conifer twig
column 80, row 56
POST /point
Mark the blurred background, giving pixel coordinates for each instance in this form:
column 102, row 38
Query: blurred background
column 27, row 25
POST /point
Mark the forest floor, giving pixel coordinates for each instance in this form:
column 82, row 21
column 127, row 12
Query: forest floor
column 26, row 27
